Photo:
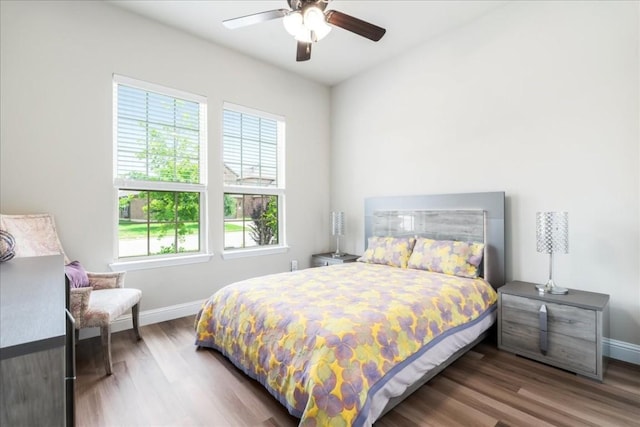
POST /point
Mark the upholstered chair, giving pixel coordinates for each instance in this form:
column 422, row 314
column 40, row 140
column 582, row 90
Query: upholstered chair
column 96, row 305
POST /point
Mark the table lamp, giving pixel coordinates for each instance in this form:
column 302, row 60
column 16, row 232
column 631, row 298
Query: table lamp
column 337, row 229
column 552, row 235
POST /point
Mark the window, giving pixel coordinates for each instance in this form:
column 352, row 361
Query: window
column 159, row 170
column 253, row 147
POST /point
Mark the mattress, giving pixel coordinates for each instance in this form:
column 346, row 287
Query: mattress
column 334, row 344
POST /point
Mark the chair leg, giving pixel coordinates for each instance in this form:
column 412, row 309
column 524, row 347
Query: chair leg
column 105, row 333
column 135, row 311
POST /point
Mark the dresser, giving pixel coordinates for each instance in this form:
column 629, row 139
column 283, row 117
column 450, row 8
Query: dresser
column 33, row 338
column 324, row 259
column 561, row 330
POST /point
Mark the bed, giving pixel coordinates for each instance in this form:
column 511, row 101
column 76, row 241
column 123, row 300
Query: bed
column 343, row 344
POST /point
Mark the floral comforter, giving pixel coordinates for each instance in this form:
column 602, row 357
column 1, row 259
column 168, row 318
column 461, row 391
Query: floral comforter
column 319, row 339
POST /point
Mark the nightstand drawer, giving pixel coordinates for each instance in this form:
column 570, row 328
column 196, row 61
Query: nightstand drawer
column 571, row 333
column 562, row 319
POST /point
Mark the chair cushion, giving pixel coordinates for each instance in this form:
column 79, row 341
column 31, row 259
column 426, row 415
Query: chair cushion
column 106, row 305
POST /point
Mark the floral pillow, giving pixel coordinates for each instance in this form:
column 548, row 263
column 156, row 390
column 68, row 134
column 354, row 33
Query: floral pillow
column 446, row 256
column 393, row 251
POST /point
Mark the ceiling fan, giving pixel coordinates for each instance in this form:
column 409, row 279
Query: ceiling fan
column 308, row 22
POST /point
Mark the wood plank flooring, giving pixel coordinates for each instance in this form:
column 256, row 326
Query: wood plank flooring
column 164, row 381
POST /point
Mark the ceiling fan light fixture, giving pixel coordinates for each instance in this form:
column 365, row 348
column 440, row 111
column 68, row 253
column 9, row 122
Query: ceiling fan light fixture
column 313, row 18
column 308, row 26
column 293, row 23
column 315, row 21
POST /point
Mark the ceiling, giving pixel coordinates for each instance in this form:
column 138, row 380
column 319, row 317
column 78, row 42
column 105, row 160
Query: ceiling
column 334, row 59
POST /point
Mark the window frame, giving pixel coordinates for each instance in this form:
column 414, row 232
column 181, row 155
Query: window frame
column 160, row 260
column 278, row 191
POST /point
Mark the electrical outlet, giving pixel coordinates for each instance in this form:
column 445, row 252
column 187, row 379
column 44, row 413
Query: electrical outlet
column 294, row 264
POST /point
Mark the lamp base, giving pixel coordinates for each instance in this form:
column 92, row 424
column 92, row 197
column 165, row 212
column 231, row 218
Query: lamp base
column 551, row 288
column 557, row 290
column 337, row 254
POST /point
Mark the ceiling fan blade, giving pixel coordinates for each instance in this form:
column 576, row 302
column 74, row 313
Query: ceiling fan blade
column 255, row 18
column 303, row 52
column 355, row 25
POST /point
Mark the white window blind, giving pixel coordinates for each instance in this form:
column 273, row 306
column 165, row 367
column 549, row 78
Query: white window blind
column 158, row 137
column 250, row 150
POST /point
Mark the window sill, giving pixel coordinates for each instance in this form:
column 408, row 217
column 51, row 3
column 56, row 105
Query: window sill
column 159, row 262
column 243, row 253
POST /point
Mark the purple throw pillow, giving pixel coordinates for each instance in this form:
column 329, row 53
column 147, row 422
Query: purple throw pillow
column 77, row 275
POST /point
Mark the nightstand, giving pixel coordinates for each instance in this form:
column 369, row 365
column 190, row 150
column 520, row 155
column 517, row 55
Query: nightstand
column 322, row 260
column 560, row 330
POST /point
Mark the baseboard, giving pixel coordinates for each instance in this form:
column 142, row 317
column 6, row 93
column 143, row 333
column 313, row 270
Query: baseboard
column 614, row 349
column 147, row 317
column 621, row 350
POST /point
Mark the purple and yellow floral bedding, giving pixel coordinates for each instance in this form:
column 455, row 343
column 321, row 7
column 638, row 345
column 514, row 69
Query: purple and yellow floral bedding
column 319, row 339
column 393, row 251
column 447, row 256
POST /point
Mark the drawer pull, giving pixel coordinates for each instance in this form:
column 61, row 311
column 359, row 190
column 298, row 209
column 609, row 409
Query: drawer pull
column 543, row 329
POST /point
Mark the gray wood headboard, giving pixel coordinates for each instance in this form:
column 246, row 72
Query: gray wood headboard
column 475, row 217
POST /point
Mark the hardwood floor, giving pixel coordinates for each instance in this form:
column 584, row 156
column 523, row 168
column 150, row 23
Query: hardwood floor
column 164, row 381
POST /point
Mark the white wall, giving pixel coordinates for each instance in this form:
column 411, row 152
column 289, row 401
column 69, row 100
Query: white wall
column 538, row 99
column 57, row 60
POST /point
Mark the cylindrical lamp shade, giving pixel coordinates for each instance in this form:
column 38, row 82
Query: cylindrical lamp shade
column 337, row 223
column 552, row 232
